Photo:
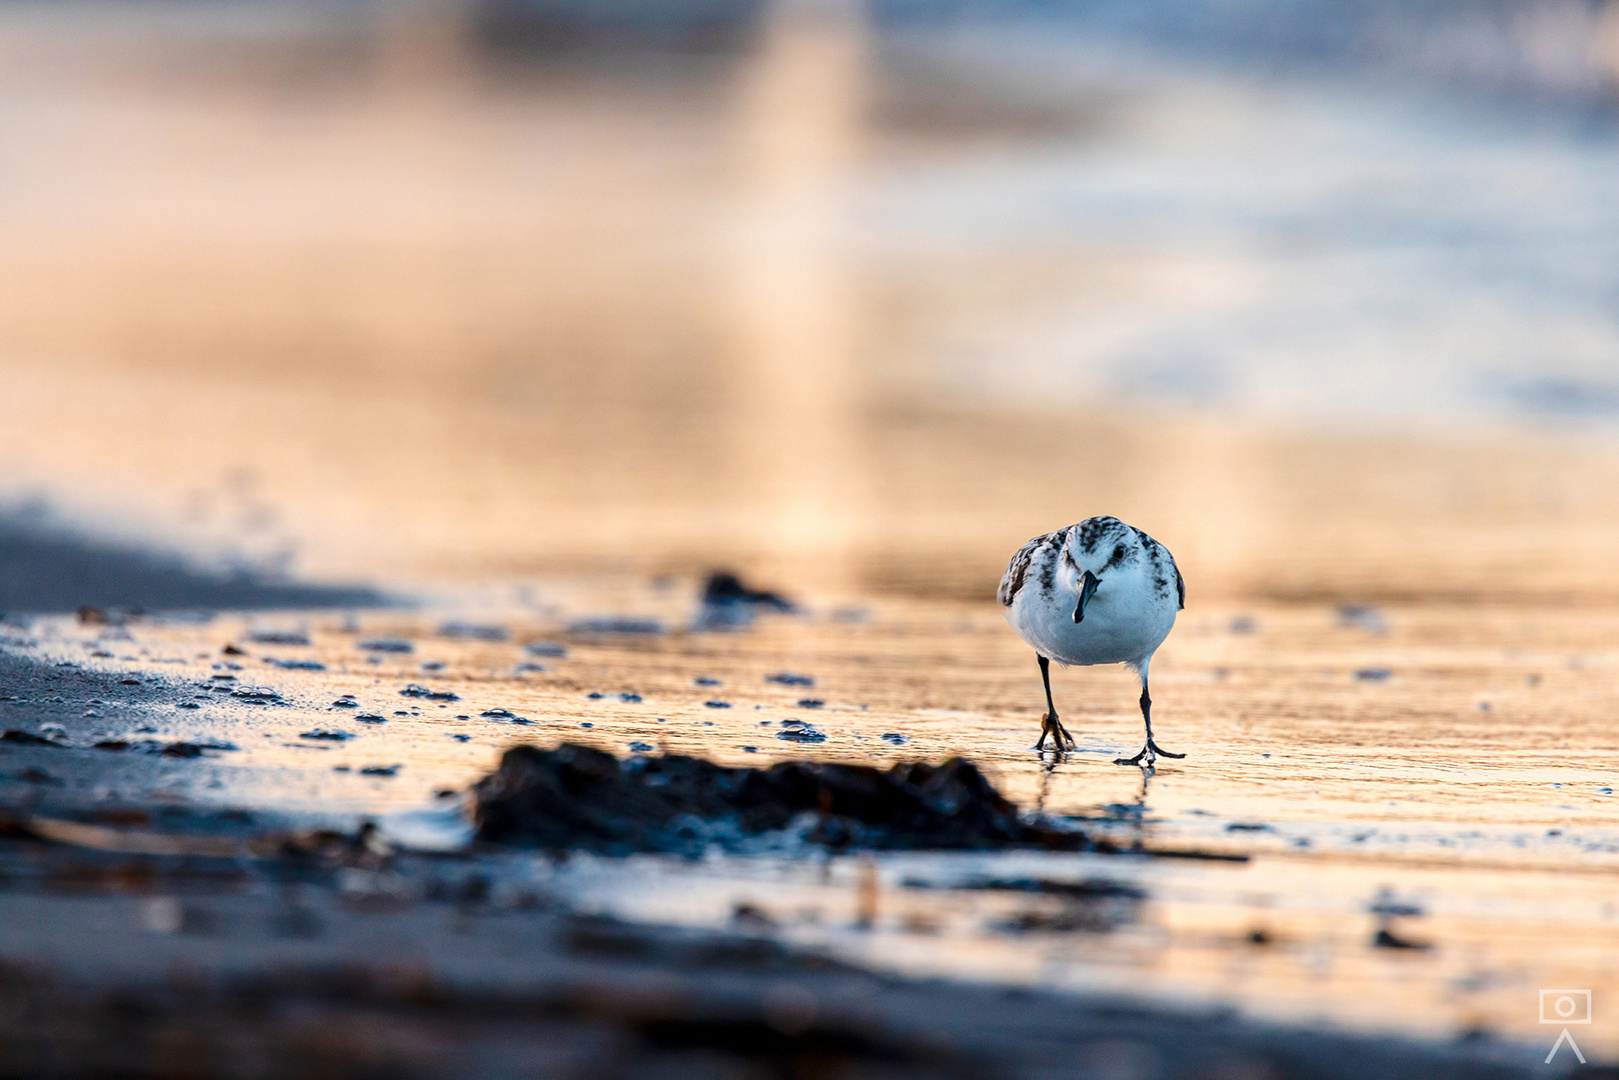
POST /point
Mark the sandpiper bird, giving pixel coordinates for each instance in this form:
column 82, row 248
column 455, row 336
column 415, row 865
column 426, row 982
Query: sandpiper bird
column 1100, row 592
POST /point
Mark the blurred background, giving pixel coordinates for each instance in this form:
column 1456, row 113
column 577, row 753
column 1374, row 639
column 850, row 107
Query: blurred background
column 853, row 297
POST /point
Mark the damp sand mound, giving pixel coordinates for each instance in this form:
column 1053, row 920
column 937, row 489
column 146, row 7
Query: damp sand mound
column 579, row 797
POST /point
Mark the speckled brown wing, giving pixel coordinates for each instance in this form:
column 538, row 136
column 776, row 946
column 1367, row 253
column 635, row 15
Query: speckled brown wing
column 1017, row 570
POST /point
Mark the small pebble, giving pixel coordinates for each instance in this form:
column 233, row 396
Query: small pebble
column 895, row 738
column 787, row 678
column 803, row 733
column 587, row 723
column 810, row 703
column 612, row 625
column 641, row 747
column 631, row 698
column 472, row 631
column 1363, row 617
column 416, row 690
column 279, row 637
column 718, row 704
column 461, row 738
column 704, row 680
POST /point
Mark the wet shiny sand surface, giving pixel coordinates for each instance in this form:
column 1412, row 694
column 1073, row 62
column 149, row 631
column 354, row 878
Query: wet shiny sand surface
column 1436, row 774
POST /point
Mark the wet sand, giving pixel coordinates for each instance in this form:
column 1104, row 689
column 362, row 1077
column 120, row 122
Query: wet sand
column 358, row 981
column 1446, row 760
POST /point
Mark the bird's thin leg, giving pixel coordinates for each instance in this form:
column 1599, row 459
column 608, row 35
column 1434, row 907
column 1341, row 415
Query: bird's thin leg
column 1146, row 716
column 1049, row 724
column 1151, row 750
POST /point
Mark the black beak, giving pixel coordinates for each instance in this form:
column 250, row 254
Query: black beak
column 1087, row 589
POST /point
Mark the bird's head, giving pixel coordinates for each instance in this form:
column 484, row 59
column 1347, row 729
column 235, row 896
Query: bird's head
column 1094, row 548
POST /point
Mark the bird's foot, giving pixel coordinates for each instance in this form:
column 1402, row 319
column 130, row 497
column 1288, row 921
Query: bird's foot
column 1149, row 753
column 1161, row 752
column 1060, row 739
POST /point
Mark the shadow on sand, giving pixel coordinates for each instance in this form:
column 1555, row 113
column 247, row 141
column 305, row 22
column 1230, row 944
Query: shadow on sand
column 48, row 567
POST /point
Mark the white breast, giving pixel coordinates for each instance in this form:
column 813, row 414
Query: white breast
column 1125, row 621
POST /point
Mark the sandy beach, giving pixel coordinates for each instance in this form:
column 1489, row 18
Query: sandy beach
column 381, row 388
column 1304, row 806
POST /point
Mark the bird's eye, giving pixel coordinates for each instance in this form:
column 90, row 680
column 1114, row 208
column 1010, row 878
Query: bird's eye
column 1118, row 553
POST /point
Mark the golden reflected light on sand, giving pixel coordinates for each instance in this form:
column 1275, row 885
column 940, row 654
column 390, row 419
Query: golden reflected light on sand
column 797, row 387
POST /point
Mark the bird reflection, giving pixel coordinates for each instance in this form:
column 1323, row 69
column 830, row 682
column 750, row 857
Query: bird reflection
column 1131, row 814
column 1137, row 811
column 1049, row 760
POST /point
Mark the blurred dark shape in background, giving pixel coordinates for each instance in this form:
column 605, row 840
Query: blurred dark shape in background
column 853, row 296
column 729, row 604
column 46, row 567
column 526, row 28
column 1556, row 48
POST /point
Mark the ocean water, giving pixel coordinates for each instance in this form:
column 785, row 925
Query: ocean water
column 1303, row 242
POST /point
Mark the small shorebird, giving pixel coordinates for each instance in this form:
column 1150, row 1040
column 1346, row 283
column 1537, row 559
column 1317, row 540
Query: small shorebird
column 1100, row 592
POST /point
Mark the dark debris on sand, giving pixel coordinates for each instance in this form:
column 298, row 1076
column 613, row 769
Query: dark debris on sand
column 730, row 604
column 579, row 797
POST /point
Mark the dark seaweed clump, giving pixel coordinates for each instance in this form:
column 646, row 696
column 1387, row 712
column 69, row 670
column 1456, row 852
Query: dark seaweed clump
column 579, row 797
